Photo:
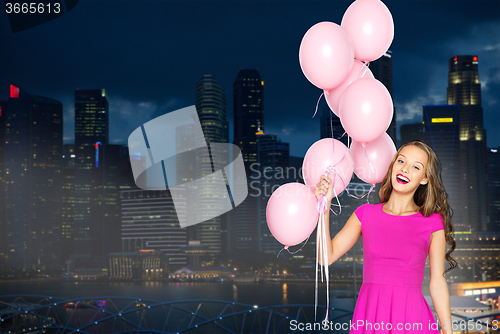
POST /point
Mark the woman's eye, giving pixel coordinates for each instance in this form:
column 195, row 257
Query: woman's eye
column 401, row 161
column 416, row 167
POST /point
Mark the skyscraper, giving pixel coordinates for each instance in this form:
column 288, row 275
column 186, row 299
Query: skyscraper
column 91, row 126
column 441, row 126
column 464, row 90
column 211, row 109
column 493, row 156
column 149, row 222
column 248, row 99
column 3, row 246
column 273, row 157
column 111, row 173
column 440, row 130
column 382, row 71
column 33, row 180
column 68, row 199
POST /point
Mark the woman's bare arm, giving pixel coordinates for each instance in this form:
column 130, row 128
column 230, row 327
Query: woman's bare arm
column 438, row 286
column 346, row 238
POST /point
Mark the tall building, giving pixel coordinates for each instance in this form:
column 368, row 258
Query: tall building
column 273, row 157
column 493, row 156
column 33, row 180
column 211, row 109
column 248, row 99
column 382, row 71
column 441, row 126
column 68, row 199
column 91, row 127
column 111, row 173
column 464, row 90
column 3, row 246
column 149, row 222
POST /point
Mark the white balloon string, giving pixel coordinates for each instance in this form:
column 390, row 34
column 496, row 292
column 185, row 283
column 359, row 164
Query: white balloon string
column 369, row 162
column 363, row 69
column 322, row 230
column 288, row 249
column 325, row 264
column 300, row 247
column 347, row 190
column 321, row 242
column 322, row 206
column 318, row 234
column 317, row 104
column 373, row 174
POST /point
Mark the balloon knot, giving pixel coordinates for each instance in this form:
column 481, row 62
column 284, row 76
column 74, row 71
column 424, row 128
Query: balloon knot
column 286, row 247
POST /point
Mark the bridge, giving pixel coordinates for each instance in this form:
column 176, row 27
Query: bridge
column 110, row 314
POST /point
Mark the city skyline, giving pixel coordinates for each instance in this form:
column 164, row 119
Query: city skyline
column 91, row 190
column 148, row 69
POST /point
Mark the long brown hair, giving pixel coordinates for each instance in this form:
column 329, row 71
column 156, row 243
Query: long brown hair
column 431, row 197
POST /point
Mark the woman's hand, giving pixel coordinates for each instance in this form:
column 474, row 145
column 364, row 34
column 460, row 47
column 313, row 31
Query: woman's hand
column 325, row 188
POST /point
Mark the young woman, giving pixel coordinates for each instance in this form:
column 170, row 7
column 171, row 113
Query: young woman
column 412, row 220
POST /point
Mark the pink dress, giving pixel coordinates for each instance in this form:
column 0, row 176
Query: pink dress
column 395, row 249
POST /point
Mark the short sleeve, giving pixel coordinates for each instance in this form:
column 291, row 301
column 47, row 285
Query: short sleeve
column 438, row 223
column 359, row 212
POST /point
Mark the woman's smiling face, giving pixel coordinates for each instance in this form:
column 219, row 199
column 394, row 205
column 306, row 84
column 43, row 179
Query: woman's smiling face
column 408, row 171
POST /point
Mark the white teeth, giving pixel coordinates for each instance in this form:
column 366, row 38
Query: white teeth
column 403, row 179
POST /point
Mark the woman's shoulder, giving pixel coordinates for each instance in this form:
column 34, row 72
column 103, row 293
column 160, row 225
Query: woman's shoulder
column 370, row 206
column 433, row 216
column 437, row 222
column 367, row 207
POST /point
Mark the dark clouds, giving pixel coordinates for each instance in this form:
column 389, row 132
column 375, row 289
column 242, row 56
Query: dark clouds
column 148, row 55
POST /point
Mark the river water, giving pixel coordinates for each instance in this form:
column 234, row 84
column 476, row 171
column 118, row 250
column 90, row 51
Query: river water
column 260, row 294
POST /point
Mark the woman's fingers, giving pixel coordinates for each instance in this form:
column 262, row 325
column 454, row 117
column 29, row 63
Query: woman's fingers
column 323, row 186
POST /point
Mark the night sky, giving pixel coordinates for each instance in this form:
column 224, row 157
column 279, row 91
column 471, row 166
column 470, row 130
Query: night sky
column 148, row 55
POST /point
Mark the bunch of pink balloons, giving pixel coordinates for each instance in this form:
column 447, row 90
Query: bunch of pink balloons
column 335, row 59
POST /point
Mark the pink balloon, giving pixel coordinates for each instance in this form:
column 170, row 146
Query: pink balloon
column 323, row 153
column 333, row 96
column 326, row 55
column 291, row 213
column 370, row 25
column 366, row 110
column 378, row 152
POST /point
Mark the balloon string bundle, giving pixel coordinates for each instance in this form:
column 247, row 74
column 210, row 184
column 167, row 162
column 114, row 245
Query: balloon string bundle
column 321, row 236
column 321, row 239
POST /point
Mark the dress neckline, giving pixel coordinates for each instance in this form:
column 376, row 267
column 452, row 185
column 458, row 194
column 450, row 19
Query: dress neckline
column 382, row 209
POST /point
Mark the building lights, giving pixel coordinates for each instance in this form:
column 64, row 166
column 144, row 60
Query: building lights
column 14, row 91
column 442, row 120
column 97, row 153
